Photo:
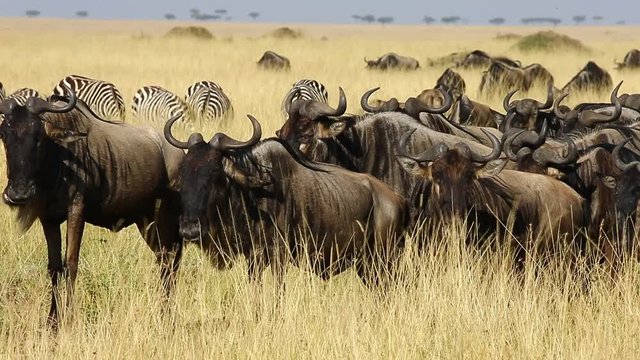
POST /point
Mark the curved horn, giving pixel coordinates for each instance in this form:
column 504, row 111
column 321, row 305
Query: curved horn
column 364, row 102
column 590, row 118
column 169, row 136
column 508, row 122
column 507, row 100
column 546, row 157
column 315, row 109
column 556, row 107
column 402, row 144
column 549, row 102
column 616, row 157
column 507, row 145
column 430, row 154
column 223, row 142
column 37, row 105
column 414, row 107
column 494, row 154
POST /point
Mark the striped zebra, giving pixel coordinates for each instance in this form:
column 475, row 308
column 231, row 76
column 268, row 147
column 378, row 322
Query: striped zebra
column 156, row 104
column 102, row 97
column 21, row 95
column 3, row 95
column 207, row 101
column 305, row 89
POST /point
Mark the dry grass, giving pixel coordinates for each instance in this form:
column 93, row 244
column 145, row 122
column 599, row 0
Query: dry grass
column 457, row 304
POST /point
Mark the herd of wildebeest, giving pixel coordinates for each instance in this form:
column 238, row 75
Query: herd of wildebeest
column 331, row 190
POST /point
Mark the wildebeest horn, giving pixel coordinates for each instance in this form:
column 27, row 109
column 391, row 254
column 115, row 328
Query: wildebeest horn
column 507, row 145
column 616, row 157
column 430, row 154
column 530, row 138
column 507, row 100
column 591, row 118
column 316, row 109
column 494, row 154
column 223, row 142
column 556, row 107
column 391, row 105
column 546, row 157
column 414, row 106
column 36, row 105
column 169, row 136
column 549, row 102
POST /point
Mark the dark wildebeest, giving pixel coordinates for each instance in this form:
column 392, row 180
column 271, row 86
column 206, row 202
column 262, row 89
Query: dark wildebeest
column 528, row 114
column 591, row 78
column 254, row 198
column 272, row 61
column 500, row 76
column 480, row 59
column 451, row 81
column 460, row 181
column 631, row 60
column 627, row 187
column 65, row 164
column 393, row 61
column 469, row 112
column 364, row 144
column 434, row 101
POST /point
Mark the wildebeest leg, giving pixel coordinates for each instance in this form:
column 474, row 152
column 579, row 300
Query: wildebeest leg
column 54, row 251
column 75, row 229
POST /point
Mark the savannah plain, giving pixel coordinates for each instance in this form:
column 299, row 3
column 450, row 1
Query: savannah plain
column 454, row 302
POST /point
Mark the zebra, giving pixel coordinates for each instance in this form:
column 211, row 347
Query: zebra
column 102, row 97
column 3, row 95
column 21, row 95
column 305, row 89
column 207, row 101
column 156, row 104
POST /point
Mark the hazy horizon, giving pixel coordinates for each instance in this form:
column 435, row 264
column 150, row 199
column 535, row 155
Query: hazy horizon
column 333, row 11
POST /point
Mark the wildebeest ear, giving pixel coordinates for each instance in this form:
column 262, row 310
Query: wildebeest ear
column 608, row 181
column 491, row 168
column 329, row 130
column 242, row 177
column 413, row 167
column 62, row 136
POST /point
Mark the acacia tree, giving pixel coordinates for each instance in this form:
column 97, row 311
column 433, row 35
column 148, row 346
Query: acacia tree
column 578, row 19
column 450, row 19
column 32, row 13
column 385, row 20
column 497, row 21
column 169, row 16
column 82, row 13
column 428, row 19
column 254, row 15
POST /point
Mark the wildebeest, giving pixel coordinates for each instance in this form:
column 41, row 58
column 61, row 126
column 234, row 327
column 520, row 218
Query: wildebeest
column 453, row 82
column 392, row 60
column 480, row 59
column 627, row 187
column 630, row 100
column 272, row 61
column 631, row 60
column 469, row 112
column 65, row 164
column 360, row 143
column 590, row 78
column 528, row 114
column 500, row 76
column 254, row 198
column 463, row 181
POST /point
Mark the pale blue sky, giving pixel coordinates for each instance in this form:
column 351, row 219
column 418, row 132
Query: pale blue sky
column 337, row 11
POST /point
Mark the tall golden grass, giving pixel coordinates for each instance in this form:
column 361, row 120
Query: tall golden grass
column 454, row 302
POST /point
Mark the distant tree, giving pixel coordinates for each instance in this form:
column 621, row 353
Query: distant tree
column 579, row 19
column 208, row 17
column 82, row 13
column 497, row 21
column 428, row 19
column 450, row 19
column 597, row 18
column 369, row 18
column 254, row 15
column 620, row 22
column 541, row 20
column 385, row 20
column 356, row 17
column 220, row 11
column 169, row 16
column 32, row 13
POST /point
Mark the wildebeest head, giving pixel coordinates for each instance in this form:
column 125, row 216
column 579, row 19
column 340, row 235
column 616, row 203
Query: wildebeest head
column 434, row 101
column 577, row 118
column 310, row 120
column 24, row 132
column 525, row 113
column 627, row 186
column 449, row 171
column 204, row 174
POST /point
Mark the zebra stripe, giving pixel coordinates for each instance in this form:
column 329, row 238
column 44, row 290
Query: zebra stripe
column 3, row 95
column 157, row 104
column 306, row 89
column 21, row 95
column 207, row 101
column 102, row 97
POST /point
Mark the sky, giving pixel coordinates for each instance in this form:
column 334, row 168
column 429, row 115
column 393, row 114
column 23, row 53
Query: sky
column 336, row 11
